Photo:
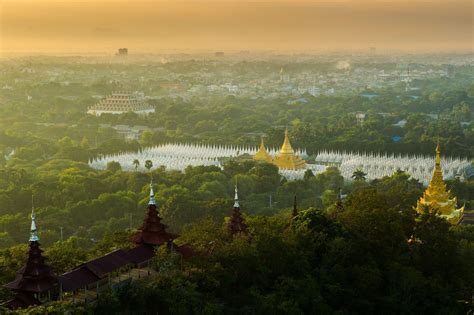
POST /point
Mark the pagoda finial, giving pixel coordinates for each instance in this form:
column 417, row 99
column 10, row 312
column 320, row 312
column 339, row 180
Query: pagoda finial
column 438, row 154
column 236, row 198
column 152, row 195
column 33, row 231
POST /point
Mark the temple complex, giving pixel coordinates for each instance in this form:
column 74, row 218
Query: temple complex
column 236, row 224
column 437, row 198
column 287, row 159
column 34, row 281
column 121, row 102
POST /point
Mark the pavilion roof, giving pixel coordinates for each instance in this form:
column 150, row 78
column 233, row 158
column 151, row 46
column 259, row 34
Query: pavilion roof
column 77, row 278
column 21, row 300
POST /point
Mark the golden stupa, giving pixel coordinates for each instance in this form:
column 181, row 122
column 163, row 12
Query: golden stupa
column 262, row 154
column 287, row 159
column 437, row 198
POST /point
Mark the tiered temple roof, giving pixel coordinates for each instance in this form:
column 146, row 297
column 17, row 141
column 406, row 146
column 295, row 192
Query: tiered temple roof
column 34, row 278
column 153, row 232
column 236, row 224
column 437, row 197
column 121, row 102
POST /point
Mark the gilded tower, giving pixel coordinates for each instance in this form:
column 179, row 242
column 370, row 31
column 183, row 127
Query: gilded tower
column 287, row 159
column 437, row 197
column 262, row 154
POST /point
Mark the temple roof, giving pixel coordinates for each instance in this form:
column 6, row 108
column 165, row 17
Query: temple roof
column 286, row 147
column 35, row 276
column 236, row 223
column 21, row 300
column 437, row 197
column 152, row 231
column 262, row 154
column 121, row 102
column 287, row 159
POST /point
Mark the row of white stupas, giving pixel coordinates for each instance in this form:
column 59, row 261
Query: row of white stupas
column 378, row 165
column 179, row 156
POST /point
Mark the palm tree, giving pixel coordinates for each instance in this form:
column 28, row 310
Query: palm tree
column 136, row 163
column 359, row 175
column 148, row 164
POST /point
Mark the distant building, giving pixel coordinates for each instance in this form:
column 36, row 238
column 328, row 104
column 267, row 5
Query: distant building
column 121, row 102
column 402, row 123
column 219, row 54
column 314, row 91
column 122, row 52
column 360, row 118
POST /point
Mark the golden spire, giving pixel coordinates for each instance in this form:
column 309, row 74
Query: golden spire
column 262, row 154
column 438, row 158
column 287, row 158
column 286, row 147
column 437, row 196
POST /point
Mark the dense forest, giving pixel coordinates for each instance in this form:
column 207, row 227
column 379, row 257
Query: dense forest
column 370, row 254
column 367, row 254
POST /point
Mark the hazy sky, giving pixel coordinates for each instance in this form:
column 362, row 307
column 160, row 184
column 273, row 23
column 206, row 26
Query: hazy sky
column 154, row 25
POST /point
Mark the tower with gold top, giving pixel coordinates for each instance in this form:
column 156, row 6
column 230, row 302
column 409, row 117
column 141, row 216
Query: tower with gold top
column 287, row 159
column 437, row 197
column 262, row 154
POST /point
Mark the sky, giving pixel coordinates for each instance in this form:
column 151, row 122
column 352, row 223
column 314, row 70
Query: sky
column 285, row 25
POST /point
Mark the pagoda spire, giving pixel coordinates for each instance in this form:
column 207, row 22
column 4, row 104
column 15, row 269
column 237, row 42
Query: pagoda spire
column 437, row 197
column 34, row 278
column 287, row 159
column 262, row 153
column 286, row 147
column 152, row 200
column 152, row 232
column 33, row 230
column 236, row 198
column 236, row 224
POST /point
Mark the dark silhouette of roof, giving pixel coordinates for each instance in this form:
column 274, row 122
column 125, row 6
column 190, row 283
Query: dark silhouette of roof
column 141, row 254
column 21, row 300
column 78, row 278
column 36, row 276
column 236, row 224
column 152, row 231
column 108, row 263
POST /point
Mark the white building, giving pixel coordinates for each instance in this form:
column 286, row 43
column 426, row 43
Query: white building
column 121, row 102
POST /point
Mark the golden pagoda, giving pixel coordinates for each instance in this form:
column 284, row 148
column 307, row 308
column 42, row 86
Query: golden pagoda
column 262, row 154
column 287, row 159
column 437, row 197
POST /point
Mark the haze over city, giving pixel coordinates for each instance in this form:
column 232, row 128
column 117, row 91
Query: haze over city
column 236, row 157
column 151, row 26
